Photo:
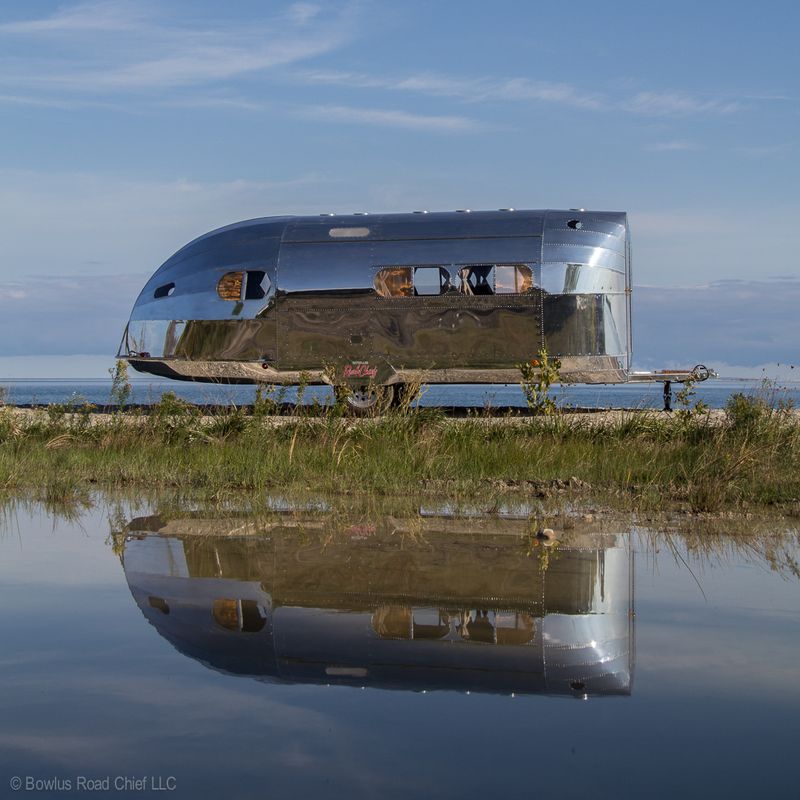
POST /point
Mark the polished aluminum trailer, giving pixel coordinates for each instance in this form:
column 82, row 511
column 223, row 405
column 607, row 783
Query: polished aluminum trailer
column 460, row 606
column 390, row 299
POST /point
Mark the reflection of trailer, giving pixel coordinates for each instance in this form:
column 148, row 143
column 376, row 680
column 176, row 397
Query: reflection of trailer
column 379, row 301
column 463, row 611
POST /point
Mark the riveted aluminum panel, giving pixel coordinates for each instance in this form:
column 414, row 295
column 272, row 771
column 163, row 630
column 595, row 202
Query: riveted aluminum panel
column 583, row 254
column 586, row 238
column 558, row 278
column 414, row 332
column 437, row 225
column 340, row 266
column 585, row 324
column 203, row 340
column 610, row 222
column 408, row 332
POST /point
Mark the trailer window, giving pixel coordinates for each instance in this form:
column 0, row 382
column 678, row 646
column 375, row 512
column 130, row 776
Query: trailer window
column 485, row 279
column 251, row 285
column 477, row 279
column 230, row 286
column 431, row 280
column 395, row 282
column 239, row 615
column 257, row 285
column 512, row 279
column 164, row 291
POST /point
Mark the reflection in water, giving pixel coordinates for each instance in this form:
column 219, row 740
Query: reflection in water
column 441, row 604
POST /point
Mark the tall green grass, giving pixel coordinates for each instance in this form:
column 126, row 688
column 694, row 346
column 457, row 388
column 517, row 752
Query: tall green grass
column 751, row 456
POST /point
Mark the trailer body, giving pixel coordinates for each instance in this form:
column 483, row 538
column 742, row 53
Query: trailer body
column 449, row 297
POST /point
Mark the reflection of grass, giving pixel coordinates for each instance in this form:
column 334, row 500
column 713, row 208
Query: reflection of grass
column 751, row 456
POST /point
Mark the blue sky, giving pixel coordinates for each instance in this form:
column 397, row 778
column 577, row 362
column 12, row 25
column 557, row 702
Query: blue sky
column 128, row 128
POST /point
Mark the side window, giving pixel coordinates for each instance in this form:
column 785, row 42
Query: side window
column 395, row 282
column 257, row 284
column 230, row 286
column 238, row 615
column 512, row 279
column 485, row 279
column 431, row 280
column 477, row 279
column 250, row 285
column 164, row 291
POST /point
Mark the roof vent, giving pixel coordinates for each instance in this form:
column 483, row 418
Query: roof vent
column 506, row 209
column 425, row 211
column 575, row 224
column 328, row 214
column 463, row 210
column 361, row 213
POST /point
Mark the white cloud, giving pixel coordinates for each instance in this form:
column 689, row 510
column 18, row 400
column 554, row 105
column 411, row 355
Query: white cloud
column 97, row 16
column 142, row 50
column 466, row 89
column 524, row 89
column 675, row 145
column 147, row 52
column 519, row 89
column 303, row 13
column 390, row 118
column 662, row 104
column 212, row 101
column 763, row 151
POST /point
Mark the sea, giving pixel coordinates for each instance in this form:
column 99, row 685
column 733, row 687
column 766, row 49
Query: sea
column 714, row 393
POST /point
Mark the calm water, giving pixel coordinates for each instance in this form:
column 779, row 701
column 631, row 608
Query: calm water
column 715, row 393
column 315, row 655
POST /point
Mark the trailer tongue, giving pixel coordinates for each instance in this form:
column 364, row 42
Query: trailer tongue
column 697, row 374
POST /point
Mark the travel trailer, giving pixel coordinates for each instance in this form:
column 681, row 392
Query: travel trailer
column 376, row 302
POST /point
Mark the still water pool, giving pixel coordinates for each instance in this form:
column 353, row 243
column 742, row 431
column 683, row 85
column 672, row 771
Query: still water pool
column 299, row 655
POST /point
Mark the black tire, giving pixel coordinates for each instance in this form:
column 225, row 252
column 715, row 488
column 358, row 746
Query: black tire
column 365, row 401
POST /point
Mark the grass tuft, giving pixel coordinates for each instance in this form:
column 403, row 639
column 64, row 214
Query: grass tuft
column 750, row 455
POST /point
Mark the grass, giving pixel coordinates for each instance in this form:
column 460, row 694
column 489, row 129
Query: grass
column 750, row 457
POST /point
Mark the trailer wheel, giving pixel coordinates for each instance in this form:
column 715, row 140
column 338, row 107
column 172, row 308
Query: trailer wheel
column 364, row 400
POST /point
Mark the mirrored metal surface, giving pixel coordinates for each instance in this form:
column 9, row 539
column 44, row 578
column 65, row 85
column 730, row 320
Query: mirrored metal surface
column 314, row 303
column 420, row 604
